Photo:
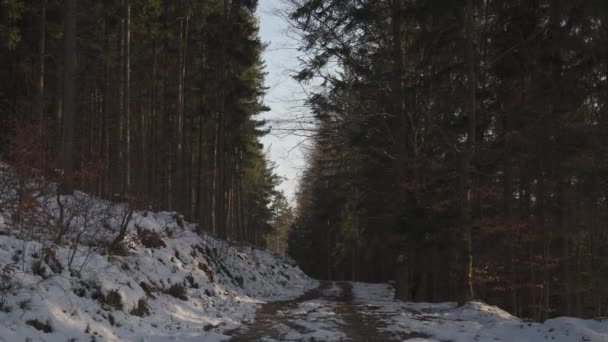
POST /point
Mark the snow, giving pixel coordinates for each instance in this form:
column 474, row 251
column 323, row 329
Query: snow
column 225, row 283
column 315, row 320
column 311, row 319
column 96, row 297
column 475, row 321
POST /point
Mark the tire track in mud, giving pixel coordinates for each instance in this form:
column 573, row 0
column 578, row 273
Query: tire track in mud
column 362, row 325
column 352, row 322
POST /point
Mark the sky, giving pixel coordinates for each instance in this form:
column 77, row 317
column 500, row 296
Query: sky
column 284, row 97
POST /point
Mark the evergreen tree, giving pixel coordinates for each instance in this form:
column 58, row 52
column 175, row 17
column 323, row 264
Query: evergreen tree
column 161, row 97
column 459, row 142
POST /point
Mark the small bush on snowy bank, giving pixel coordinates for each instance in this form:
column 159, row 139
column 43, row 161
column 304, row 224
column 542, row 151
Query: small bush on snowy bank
column 149, row 290
column 203, row 267
column 44, row 327
column 150, row 239
column 178, row 291
column 114, row 300
column 48, row 263
column 6, row 283
column 120, row 245
column 141, row 309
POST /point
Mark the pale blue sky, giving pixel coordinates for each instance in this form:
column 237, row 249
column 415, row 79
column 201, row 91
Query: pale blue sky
column 284, row 96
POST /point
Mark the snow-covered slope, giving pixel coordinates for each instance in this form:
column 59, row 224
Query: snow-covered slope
column 190, row 287
column 474, row 321
column 172, row 283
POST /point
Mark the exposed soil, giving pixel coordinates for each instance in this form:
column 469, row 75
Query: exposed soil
column 354, row 321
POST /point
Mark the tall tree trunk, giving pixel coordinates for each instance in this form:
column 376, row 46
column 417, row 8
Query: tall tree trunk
column 240, row 194
column 397, row 85
column 179, row 122
column 562, row 225
column 107, row 190
column 545, row 232
column 466, row 206
column 154, row 127
column 41, row 74
column 127, row 105
column 186, row 130
column 218, row 171
column 508, row 211
column 200, row 181
column 121, row 160
column 69, row 97
column 399, row 123
column 220, row 201
column 557, row 109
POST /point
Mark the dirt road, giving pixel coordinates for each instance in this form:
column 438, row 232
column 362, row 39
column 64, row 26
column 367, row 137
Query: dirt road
column 327, row 313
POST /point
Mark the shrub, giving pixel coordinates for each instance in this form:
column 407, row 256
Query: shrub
column 120, row 248
column 193, row 284
column 240, row 281
column 111, row 319
column 114, row 300
column 151, row 239
column 178, row 291
column 44, row 327
column 203, row 267
column 179, row 219
column 209, row 327
column 50, row 258
column 25, row 304
column 148, row 289
column 141, row 309
column 6, row 283
column 38, row 269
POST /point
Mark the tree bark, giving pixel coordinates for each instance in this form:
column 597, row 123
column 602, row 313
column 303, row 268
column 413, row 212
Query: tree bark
column 466, row 206
column 402, row 290
column 127, row 105
column 69, row 97
column 41, row 73
column 220, row 194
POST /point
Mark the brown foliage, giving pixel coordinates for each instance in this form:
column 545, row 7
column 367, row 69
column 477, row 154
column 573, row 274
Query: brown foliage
column 150, row 239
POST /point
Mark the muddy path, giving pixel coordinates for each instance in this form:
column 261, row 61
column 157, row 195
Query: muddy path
column 327, row 313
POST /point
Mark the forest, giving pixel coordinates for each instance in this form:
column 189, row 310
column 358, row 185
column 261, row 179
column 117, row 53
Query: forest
column 458, row 147
column 149, row 101
column 461, row 150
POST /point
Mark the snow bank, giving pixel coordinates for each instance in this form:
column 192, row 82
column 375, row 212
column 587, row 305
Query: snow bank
column 474, row 321
column 192, row 289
